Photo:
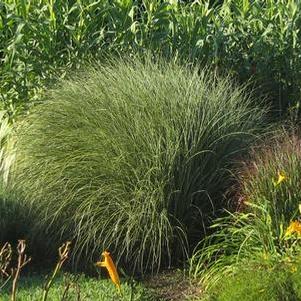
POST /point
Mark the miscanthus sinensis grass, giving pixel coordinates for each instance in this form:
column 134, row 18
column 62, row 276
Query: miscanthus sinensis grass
column 133, row 157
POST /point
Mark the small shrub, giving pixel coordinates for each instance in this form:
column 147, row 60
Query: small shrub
column 131, row 157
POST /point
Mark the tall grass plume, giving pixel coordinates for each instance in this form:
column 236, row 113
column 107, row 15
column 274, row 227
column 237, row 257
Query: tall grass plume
column 132, row 157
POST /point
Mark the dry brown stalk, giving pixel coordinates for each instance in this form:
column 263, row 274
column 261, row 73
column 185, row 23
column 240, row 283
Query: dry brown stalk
column 64, row 250
column 5, row 259
column 22, row 261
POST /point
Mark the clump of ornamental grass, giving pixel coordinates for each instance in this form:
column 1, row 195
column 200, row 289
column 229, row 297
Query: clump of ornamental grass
column 15, row 219
column 132, row 157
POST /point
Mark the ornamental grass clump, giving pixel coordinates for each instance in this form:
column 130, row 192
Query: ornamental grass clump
column 131, row 156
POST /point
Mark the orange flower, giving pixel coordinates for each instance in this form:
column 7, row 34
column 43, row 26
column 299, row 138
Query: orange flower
column 111, row 268
column 294, row 227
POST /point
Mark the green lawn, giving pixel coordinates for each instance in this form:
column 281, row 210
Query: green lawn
column 30, row 288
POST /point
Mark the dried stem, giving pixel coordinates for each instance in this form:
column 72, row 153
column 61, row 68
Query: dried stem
column 5, row 259
column 22, row 261
column 63, row 255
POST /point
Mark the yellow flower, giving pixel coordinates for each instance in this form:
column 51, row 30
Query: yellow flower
column 294, row 227
column 281, row 178
column 265, row 256
column 111, row 268
column 300, row 208
column 294, row 269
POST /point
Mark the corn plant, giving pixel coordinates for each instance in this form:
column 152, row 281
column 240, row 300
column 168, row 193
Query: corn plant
column 42, row 40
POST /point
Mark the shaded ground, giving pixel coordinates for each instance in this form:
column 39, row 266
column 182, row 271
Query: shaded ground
column 172, row 285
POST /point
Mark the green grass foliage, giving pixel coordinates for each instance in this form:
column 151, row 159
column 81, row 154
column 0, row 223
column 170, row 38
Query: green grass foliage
column 132, row 157
column 260, row 280
column 258, row 179
column 13, row 213
column 266, row 207
column 236, row 237
column 256, row 39
column 15, row 221
column 30, row 288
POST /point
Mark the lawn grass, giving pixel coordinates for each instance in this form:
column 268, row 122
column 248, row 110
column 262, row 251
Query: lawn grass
column 30, row 288
column 269, row 279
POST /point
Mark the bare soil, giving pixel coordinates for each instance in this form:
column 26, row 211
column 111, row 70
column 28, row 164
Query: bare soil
column 173, row 285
